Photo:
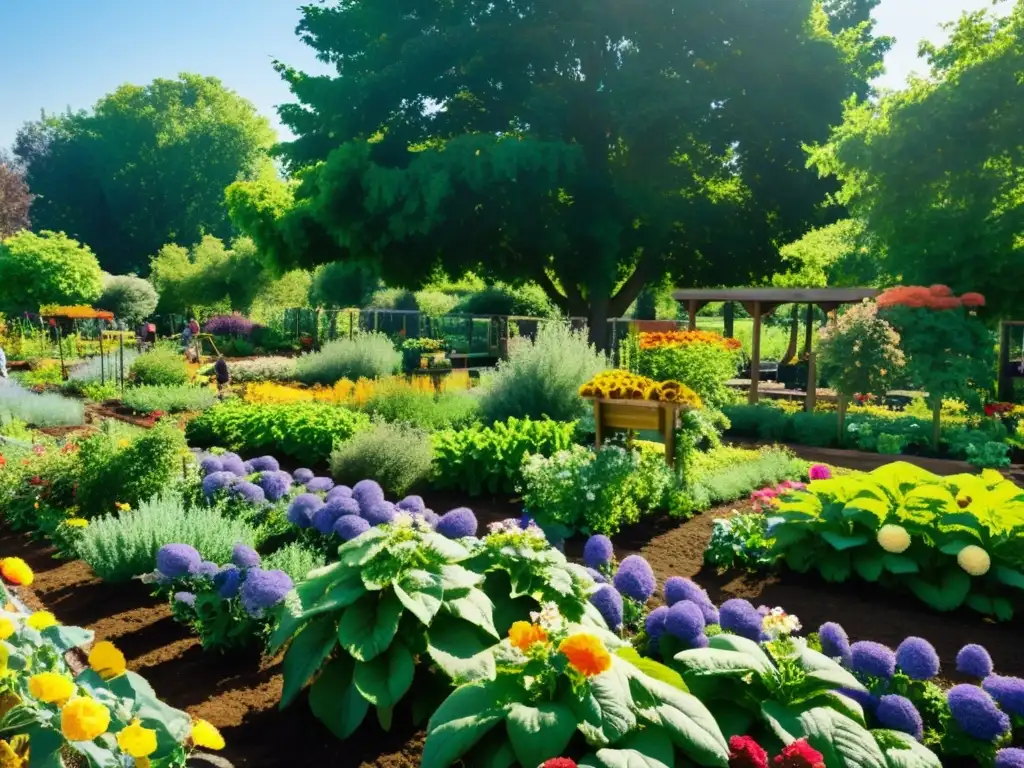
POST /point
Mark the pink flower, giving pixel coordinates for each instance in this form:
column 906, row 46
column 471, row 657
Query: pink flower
column 820, row 472
column 799, row 754
column 744, row 752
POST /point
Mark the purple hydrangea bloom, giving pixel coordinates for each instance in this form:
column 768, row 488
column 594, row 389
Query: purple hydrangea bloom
column 229, row 325
column 741, row 618
column 678, row 588
column 319, row 484
column 1008, row 691
column 380, row 513
column 265, row 464
column 250, row 492
column 598, row 551
column 917, row 658
column 458, row 523
column 206, row 568
column 185, row 597
column 635, row 579
column 216, row 482
column 227, row 581
column 345, row 505
column 1011, row 757
column 244, row 556
column 233, row 463
column 325, row 518
column 302, row 475
column 654, row 625
column 302, row 509
column 834, row 642
column 339, row 492
column 412, row 504
column 867, row 700
column 367, row 493
column 685, row 621
column 349, row 527
column 973, row 660
column 898, row 713
column 248, row 467
column 431, row 517
column 872, row 659
column 608, row 602
column 264, row 589
column 211, row 464
column 597, row 576
column 976, row 712
column 177, row 560
column 275, row 484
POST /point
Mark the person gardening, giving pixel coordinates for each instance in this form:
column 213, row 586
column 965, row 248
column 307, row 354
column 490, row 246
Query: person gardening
column 220, row 370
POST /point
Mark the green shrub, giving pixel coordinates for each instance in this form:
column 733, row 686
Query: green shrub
column 38, row 409
column 295, row 559
column 397, row 456
column 164, row 365
column 367, row 355
column 128, row 470
column 263, row 369
column 526, row 301
column 491, row 458
column 169, row 399
column 304, row 431
column 542, row 377
column 705, row 368
column 120, row 546
column 736, row 482
column 130, row 298
column 399, row 403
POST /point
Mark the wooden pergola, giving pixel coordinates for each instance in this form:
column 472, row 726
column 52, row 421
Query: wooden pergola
column 760, row 302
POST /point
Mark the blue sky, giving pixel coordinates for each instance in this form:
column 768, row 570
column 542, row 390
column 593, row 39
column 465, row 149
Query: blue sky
column 60, row 53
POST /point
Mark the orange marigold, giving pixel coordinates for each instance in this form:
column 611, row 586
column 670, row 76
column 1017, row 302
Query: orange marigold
column 940, row 290
column 523, row 635
column 586, row 654
column 654, row 340
column 972, row 299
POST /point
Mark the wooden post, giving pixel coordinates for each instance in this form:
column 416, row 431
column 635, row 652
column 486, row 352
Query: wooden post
column 812, row 381
column 1005, row 382
column 60, row 351
column 597, row 424
column 691, row 310
column 728, row 316
column 755, row 356
column 103, row 378
column 809, row 331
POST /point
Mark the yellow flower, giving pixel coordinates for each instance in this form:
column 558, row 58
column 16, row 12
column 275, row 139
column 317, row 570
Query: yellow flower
column 16, row 571
column 7, row 628
column 107, row 660
column 586, row 654
column 136, row 740
column 76, row 522
column 523, row 635
column 206, row 736
column 51, row 687
column 14, row 754
column 974, row 560
column 893, row 538
column 41, row 620
column 122, row 506
column 83, row 719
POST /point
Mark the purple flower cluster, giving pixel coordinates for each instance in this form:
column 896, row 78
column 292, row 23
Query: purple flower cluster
column 678, row 589
column 871, row 659
column 319, row 485
column 244, row 556
column 976, row 712
column 974, row 661
column 598, row 552
column 899, row 714
column 233, row 463
column 249, row 492
column 608, row 602
column 1011, row 757
column 230, row 325
column 457, row 524
column 227, row 582
column 303, row 475
column 262, row 590
column 265, row 464
column 188, row 598
column 174, row 561
column 834, row 642
column 349, row 527
column 302, row 509
column 1007, row 691
column 414, row 504
column 685, row 622
column 275, row 484
column 216, row 482
column 367, row 493
column 741, row 618
column 655, row 627
column 917, row 658
column 635, row 579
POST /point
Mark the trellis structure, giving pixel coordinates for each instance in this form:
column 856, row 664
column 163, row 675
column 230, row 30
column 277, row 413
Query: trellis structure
column 1009, row 369
column 760, row 302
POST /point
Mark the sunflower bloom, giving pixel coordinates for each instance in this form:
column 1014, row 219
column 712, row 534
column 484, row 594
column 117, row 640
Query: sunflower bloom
column 206, row 735
column 7, row 628
column 51, row 687
column 83, row 719
column 40, row 620
column 586, row 654
column 16, row 571
column 107, row 661
column 136, row 740
column 523, row 635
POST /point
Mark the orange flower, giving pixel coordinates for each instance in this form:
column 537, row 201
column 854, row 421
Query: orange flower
column 16, row 571
column 586, row 654
column 523, row 635
column 682, row 338
column 940, row 290
column 972, row 299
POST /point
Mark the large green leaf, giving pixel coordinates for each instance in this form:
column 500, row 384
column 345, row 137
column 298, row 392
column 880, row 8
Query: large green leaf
column 453, row 551
column 421, row 593
column 687, row 722
column 368, row 626
column 899, row 564
column 999, row 607
column 903, row 751
column 842, row 541
column 305, row 655
column 652, row 668
column 460, row 650
column 461, row 721
column 948, row 595
column 728, row 655
column 623, row 758
column 1009, row 576
column 843, row 742
column 359, row 551
column 310, row 598
column 64, row 637
column 476, row 608
column 827, row 673
column 604, row 712
column 835, row 568
column 384, row 680
column 456, row 577
column 335, row 701
column 868, row 563
column 727, row 642
column 540, row 732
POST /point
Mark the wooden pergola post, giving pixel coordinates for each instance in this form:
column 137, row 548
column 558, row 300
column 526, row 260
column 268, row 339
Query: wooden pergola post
column 755, row 355
column 691, row 310
column 1005, row 382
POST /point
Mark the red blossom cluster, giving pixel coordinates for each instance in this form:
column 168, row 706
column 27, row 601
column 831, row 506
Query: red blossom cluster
column 997, row 409
column 934, row 297
column 744, row 752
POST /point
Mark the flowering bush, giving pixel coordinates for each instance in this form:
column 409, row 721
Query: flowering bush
column 367, row 355
column 229, row 325
column 623, row 385
column 657, row 340
column 701, row 360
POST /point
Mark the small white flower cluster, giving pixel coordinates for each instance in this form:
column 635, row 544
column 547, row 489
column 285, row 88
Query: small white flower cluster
column 409, row 520
column 548, row 617
column 778, row 623
column 512, row 526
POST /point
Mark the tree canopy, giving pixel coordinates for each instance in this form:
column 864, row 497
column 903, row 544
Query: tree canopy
column 46, row 268
column 148, row 165
column 15, row 200
column 934, row 170
column 840, row 254
column 580, row 146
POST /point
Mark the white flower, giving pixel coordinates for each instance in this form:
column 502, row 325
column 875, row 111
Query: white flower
column 548, row 617
column 590, row 496
column 778, row 623
column 403, row 520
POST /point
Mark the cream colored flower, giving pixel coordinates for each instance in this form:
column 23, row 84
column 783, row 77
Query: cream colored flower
column 974, row 560
column 893, row 538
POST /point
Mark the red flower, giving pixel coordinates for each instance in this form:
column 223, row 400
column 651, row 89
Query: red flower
column 2, row 461
column 972, row 300
column 941, row 290
column 744, row 752
column 559, row 762
column 35, row 480
column 799, row 754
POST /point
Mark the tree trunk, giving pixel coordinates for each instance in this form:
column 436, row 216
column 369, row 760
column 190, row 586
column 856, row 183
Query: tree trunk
column 794, row 335
column 597, row 323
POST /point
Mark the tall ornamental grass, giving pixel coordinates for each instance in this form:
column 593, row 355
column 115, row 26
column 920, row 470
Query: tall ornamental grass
column 365, row 356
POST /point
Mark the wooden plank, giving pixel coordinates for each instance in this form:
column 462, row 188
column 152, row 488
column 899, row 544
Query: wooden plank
column 598, row 431
column 619, row 415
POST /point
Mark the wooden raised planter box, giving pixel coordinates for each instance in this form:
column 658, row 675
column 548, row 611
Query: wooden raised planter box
column 637, row 416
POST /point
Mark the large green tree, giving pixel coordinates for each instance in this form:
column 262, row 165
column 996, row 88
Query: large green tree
column 46, row 268
column 148, row 165
column 588, row 147
column 934, row 170
column 210, row 274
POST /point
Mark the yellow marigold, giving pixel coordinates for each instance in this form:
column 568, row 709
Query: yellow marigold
column 974, row 560
column 123, row 442
column 586, row 654
column 14, row 754
column 206, row 736
column 83, row 719
column 7, row 628
column 51, row 687
column 41, row 620
column 16, row 571
column 76, row 522
column 893, row 538
column 107, row 660
column 136, row 740
column 523, row 634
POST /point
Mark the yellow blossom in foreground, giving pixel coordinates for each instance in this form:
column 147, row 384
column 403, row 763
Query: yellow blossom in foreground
column 16, row 571
column 7, row 628
column 523, row 635
column 137, row 740
column 206, row 735
column 107, row 660
column 893, row 538
column 51, row 687
column 974, row 560
column 83, row 719
column 586, row 654
column 41, row 620
column 14, row 754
